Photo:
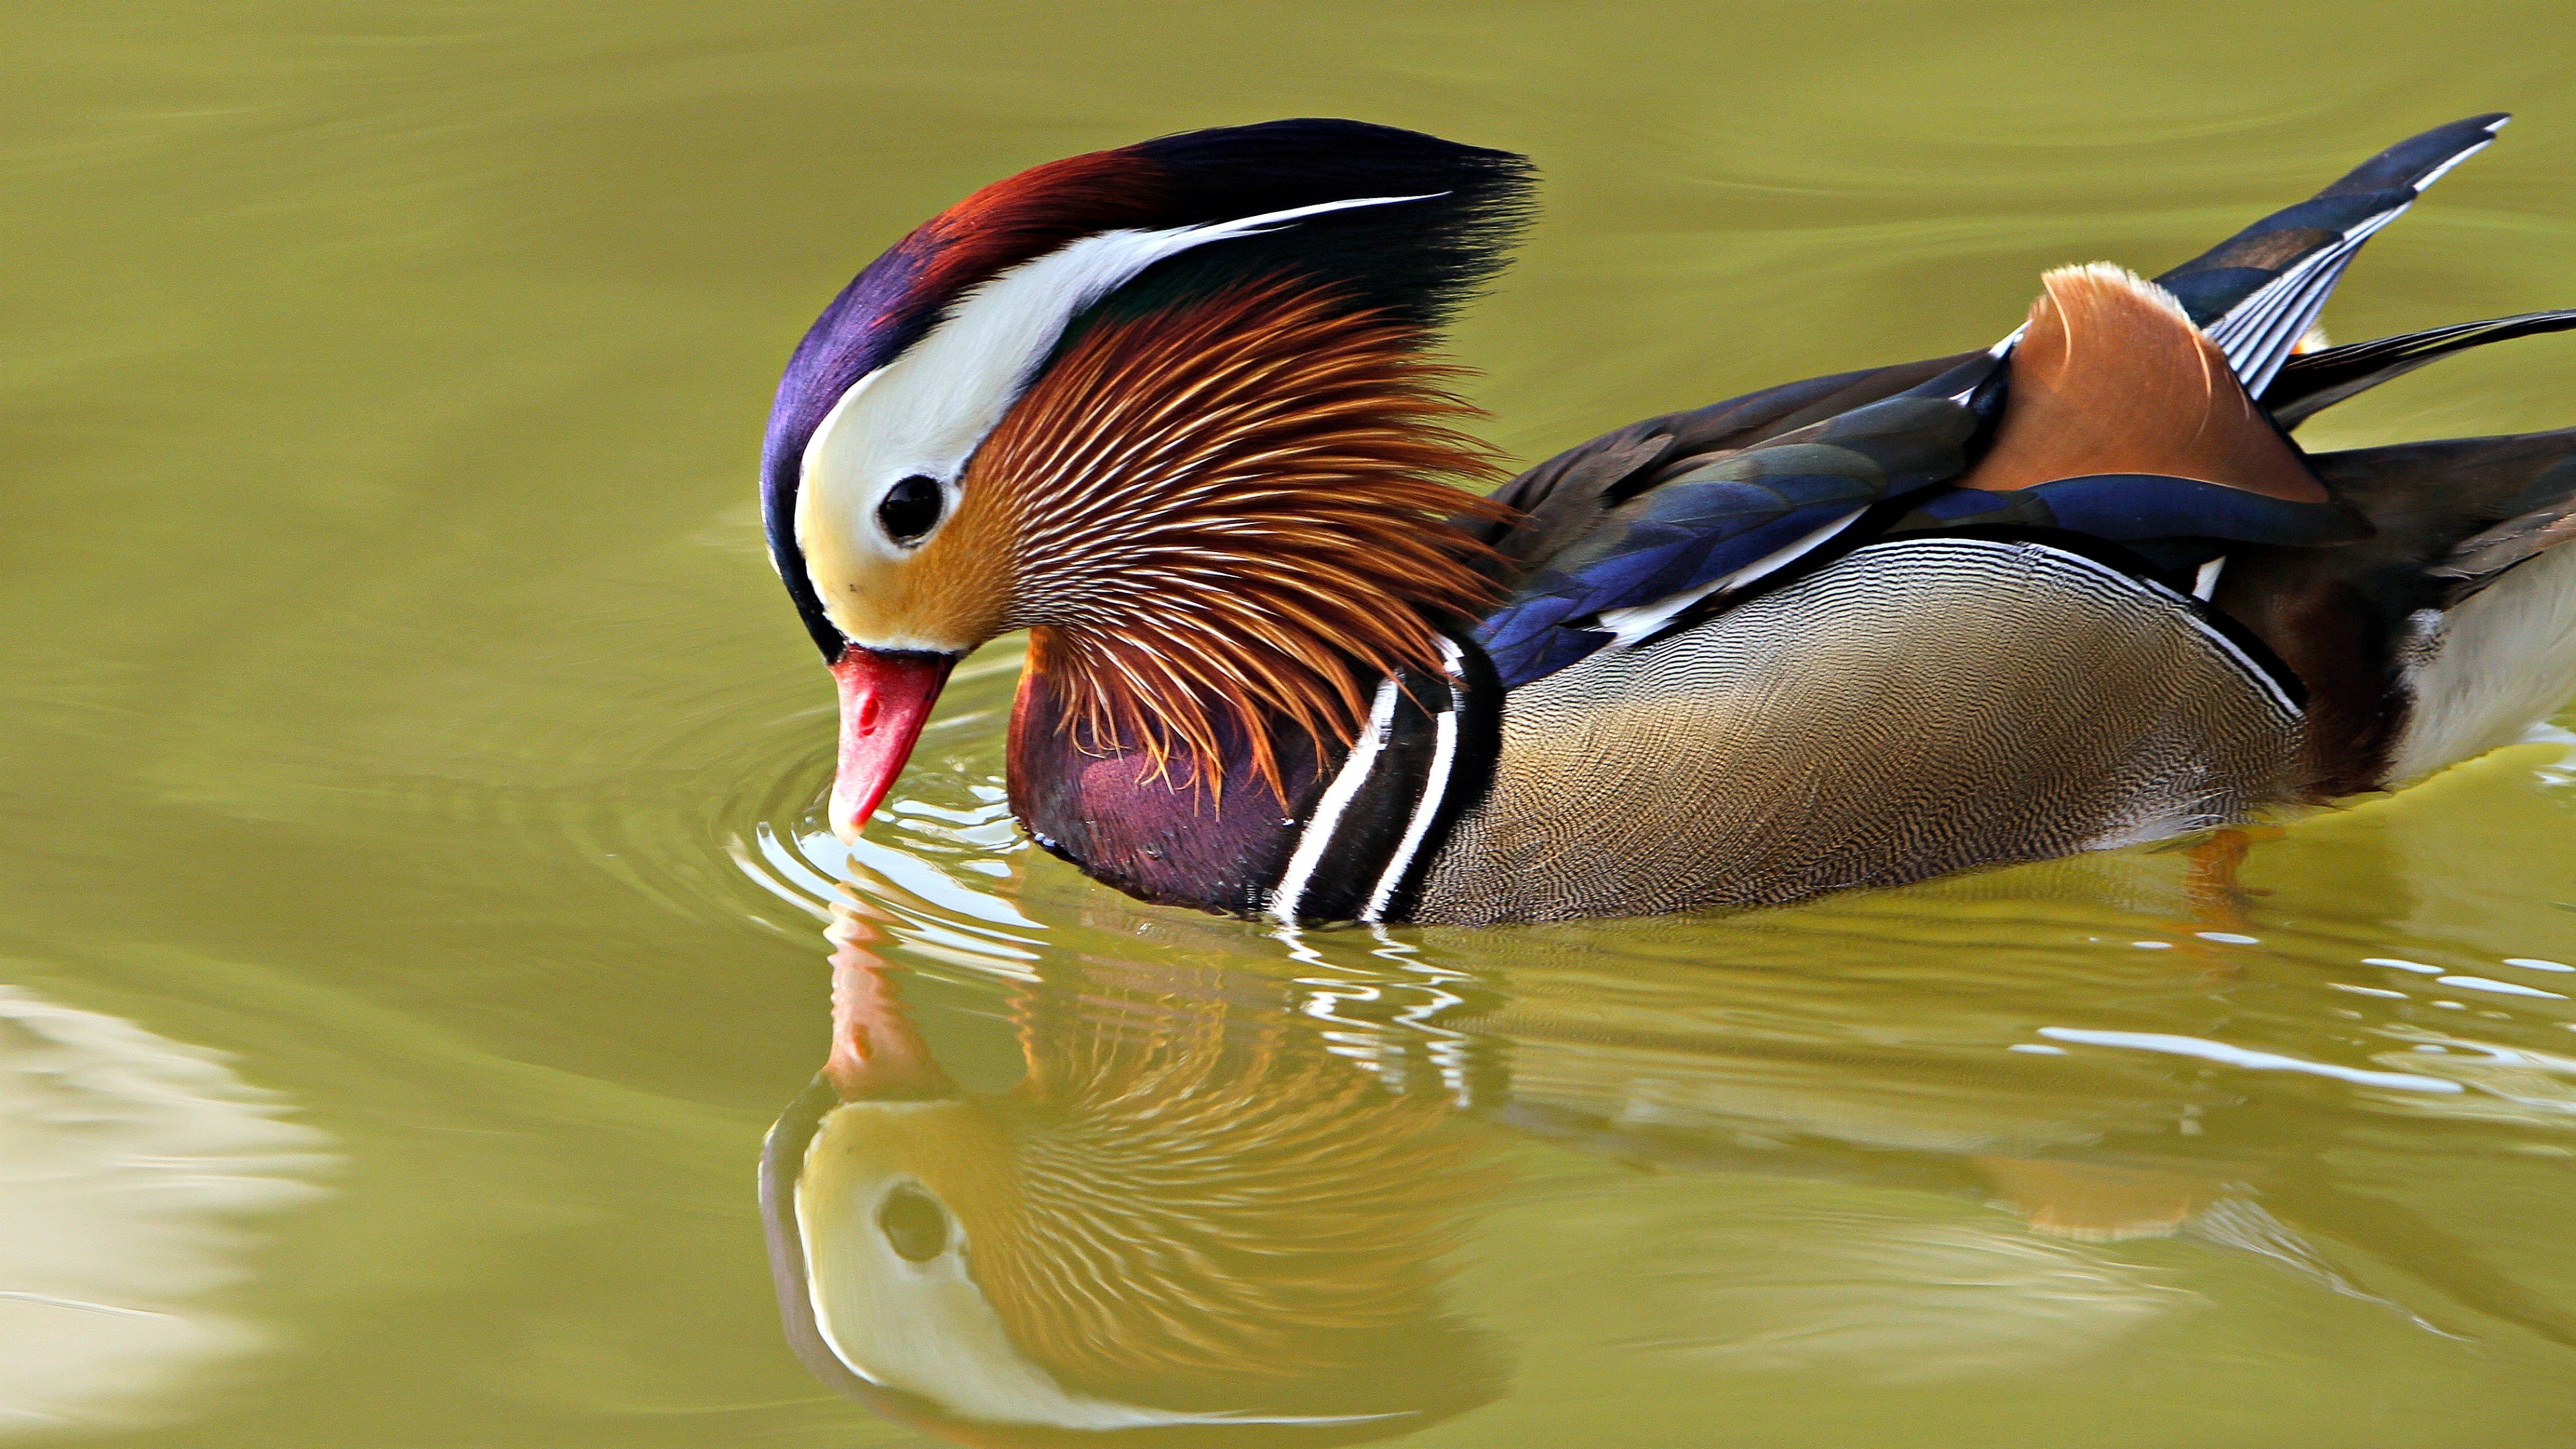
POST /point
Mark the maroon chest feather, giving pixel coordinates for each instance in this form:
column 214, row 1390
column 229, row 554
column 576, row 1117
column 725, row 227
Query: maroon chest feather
column 1172, row 840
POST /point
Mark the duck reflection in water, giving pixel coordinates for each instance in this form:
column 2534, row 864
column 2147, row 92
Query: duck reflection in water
column 1188, row 1223
column 1221, row 1202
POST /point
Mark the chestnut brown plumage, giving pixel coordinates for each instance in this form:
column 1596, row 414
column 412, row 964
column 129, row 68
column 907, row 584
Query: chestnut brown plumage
column 1234, row 507
column 2111, row 376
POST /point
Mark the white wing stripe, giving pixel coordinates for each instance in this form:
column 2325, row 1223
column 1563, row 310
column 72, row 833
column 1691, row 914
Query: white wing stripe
column 1627, row 626
column 2438, row 172
column 2258, row 333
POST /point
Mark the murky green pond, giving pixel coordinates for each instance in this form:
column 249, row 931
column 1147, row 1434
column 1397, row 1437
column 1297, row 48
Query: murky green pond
column 415, row 901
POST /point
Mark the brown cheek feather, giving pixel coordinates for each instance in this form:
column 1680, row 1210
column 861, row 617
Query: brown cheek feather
column 1233, row 506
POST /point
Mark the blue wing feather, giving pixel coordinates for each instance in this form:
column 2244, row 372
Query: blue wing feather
column 1684, row 524
column 2136, row 507
column 2257, row 292
column 1731, row 511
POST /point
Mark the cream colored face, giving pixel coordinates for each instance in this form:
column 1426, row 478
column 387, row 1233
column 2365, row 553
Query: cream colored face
column 943, row 590
column 918, row 421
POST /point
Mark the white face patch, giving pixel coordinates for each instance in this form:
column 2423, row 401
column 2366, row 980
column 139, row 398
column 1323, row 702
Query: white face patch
column 926, row 412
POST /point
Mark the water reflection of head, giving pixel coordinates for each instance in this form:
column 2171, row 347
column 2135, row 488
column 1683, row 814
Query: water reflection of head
column 1187, row 1223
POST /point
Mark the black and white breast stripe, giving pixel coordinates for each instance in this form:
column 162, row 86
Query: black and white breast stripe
column 1424, row 758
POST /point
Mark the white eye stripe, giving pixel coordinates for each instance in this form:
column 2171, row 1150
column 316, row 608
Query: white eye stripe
column 928, row 410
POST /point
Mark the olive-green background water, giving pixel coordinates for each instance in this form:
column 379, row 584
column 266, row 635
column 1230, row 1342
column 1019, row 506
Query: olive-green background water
column 410, row 920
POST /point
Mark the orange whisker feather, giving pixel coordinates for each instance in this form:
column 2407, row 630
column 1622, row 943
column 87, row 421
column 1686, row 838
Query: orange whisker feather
column 1234, row 510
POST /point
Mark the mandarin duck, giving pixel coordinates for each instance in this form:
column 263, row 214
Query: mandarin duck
column 1188, row 1222
column 1171, row 408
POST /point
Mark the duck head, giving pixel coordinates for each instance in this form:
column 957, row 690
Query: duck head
column 1166, row 406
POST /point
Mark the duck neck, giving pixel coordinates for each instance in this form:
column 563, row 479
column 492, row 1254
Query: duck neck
column 1347, row 833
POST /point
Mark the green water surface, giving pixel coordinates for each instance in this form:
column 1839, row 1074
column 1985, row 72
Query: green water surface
column 413, row 907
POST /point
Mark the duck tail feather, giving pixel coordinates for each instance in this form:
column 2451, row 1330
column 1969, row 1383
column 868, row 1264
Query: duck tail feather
column 2257, row 293
column 2311, row 382
column 2543, row 516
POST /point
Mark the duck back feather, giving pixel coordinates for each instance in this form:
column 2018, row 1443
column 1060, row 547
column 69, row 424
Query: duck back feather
column 2079, row 591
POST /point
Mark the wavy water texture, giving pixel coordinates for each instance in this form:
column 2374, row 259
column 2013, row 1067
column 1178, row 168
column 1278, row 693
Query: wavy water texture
column 401, row 712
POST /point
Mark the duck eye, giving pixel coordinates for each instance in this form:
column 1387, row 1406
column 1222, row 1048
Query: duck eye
column 914, row 1224
column 910, row 509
